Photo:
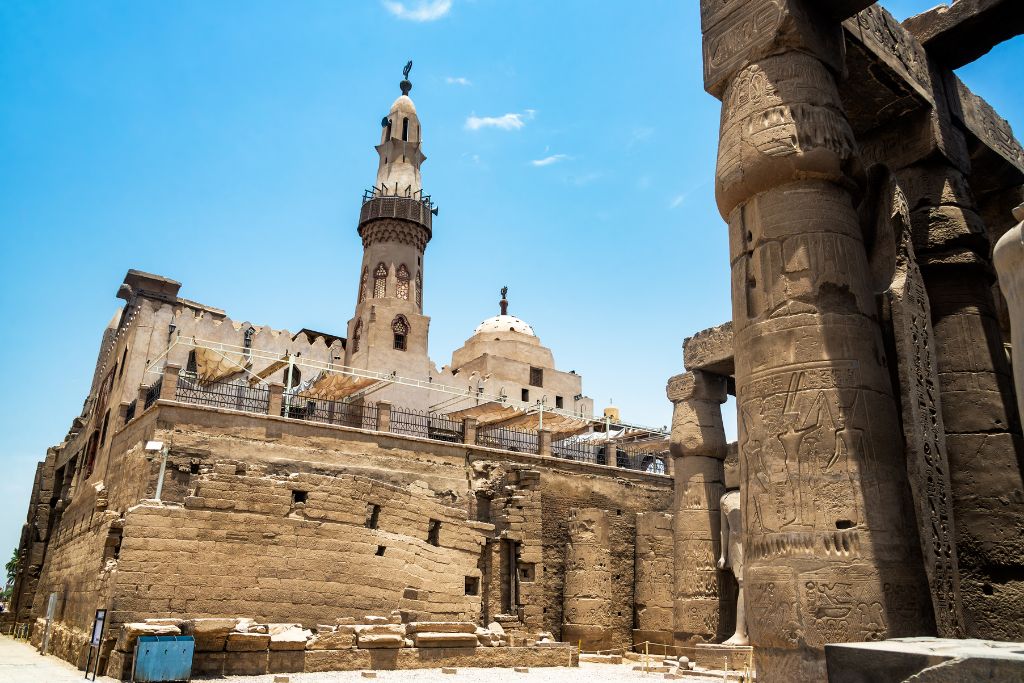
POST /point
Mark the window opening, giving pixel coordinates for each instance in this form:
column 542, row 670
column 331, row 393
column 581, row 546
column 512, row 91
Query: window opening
column 559, row 402
column 380, row 550
column 372, row 516
column 403, row 282
column 296, row 377
column 419, row 290
column 400, row 327
column 434, row 532
column 405, row 129
column 362, row 284
column 536, row 377
column 299, row 496
column 380, row 279
column 103, row 429
column 356, row 335
column 525, row 395
column 472, row 585
column 124, row 358
column 190, row 365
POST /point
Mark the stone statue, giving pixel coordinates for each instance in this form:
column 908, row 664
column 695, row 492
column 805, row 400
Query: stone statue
column 732, row 559
column 407, row 69
column 1008, row 257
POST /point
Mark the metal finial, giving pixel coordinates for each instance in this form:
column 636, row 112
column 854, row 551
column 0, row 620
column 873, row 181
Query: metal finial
column 504, row 302
column 406, row 84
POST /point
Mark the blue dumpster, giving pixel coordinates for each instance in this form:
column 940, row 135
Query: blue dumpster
column 163, row 658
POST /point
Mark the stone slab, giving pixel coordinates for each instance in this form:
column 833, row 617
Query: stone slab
column 925, row 659
column 723, row 657
column 427, row 639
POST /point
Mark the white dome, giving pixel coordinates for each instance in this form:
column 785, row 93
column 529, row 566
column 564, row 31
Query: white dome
column 403, row 104
column 505, row 323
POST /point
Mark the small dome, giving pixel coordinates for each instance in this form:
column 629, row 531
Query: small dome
column 403, row 104
column 505, row 323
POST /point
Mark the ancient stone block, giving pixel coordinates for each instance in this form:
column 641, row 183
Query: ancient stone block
column 709, row 350
column 441, row 627
column 130, row 633
column 248, row 642
column 291, row 638
column 245, row 663
column 286, row 662
column 380, row 640
column 446, row 639
column 337, row 660
column 331, row 641
column 208, row 663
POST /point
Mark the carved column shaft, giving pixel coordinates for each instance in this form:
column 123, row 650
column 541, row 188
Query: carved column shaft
column 698, row 448
column 587, row 594
column 829, row 554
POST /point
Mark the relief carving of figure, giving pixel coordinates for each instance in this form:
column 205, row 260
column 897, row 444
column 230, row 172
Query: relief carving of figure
column 732, row 559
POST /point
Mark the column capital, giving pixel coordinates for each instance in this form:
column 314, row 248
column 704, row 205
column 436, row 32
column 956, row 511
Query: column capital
column 697, row 385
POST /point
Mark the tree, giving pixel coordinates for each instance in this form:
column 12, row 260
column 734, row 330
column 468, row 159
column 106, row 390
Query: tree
column 12, row 571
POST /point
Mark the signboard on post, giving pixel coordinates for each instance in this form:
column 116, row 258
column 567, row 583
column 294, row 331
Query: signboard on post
column 94, row 643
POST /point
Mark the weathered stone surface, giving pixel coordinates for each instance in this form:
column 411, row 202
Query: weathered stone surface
column 130, row 633
column 710, row 350
column 245, row 663
column 929, row 660
column 288, row 661
column 337, row 660
column 442, row 627
column 444, row 639
column 588, row 586
column 380, row 640
column 336, row 640
column 248, row 642
column 290, row 638
column 959, row 33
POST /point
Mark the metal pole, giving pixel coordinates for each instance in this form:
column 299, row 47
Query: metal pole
column 163, row 469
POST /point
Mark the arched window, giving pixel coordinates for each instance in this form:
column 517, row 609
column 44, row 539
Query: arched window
column 362, row 285
column 380, row 281
column 190, row 366
column 405, row 129
column 356, row 335
column 400, row 326
column 387, row 136
column 419, row 290
column 296, row 378
column 403, row 282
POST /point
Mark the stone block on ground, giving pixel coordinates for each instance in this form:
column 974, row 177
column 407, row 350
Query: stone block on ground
column 382, row 640
column 208, row 663
column 292, row 638
column 130, row 633
column 333, row 640
column 248, row 642
column 286, row 661
column 428, row 639
column 442, row 627
column 245, row 663
column 337, row 660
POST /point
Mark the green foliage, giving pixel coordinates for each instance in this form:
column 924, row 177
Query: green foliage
column 12, row 567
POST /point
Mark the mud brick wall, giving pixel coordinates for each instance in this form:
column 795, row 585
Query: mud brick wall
column 299, row 549
column 623, row 499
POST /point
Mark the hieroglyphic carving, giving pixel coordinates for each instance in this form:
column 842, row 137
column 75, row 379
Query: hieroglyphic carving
column 982, row 120
column 729, row 42
column 895, row 47
column 923, row 428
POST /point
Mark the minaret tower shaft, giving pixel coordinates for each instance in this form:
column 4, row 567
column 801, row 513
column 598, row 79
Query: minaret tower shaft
column 388, row 332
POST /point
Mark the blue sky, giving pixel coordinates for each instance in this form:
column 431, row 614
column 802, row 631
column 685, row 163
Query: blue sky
column 227, row 144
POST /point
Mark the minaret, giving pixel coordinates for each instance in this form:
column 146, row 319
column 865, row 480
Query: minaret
column 389, row 331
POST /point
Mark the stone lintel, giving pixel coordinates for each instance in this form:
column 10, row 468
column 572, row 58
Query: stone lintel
column 959, row 33
column 980, row 120
column 710, row 350
column 739, row 33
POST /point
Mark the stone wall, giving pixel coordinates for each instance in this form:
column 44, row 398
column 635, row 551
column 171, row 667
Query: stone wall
column 653, row 580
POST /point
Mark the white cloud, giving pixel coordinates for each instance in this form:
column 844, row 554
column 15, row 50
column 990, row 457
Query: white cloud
column 677, row 201
column 458, row 80
column 547, row 161
column 509, row 121
column 420, row 10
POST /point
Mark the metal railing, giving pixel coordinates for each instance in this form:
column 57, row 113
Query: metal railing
column 641, row 459
column 580, row 450
column 153, row 393
column 236, row 395
column 409, row 208
column 427, row 425
column 343, row 413
column 510, row 439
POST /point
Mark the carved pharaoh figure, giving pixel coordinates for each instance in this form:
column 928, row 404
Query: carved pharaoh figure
column 732, row 559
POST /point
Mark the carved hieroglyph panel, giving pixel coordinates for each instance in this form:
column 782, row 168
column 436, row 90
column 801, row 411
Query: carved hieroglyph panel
column 923, row 428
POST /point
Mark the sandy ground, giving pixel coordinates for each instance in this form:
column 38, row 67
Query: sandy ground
column 20, row 663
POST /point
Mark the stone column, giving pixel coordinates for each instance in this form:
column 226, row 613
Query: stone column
column 1009, row 261
column 544, row 442
column 169, row 386
column 276, row 399
column 698, row 447
column 469, row 430
column 983, row 436
column 383, row 416
column 653, row 577
column 140, row 401
column 831, row 553
column 587, row 596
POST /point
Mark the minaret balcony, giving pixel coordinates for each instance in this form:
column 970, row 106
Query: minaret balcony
column 416, row 209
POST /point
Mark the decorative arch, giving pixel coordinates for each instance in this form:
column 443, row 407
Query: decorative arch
column 403, row 277
column 400, row 328
column 380, row 281
column 419, row 290
column 357, row 335
column 362, row 284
